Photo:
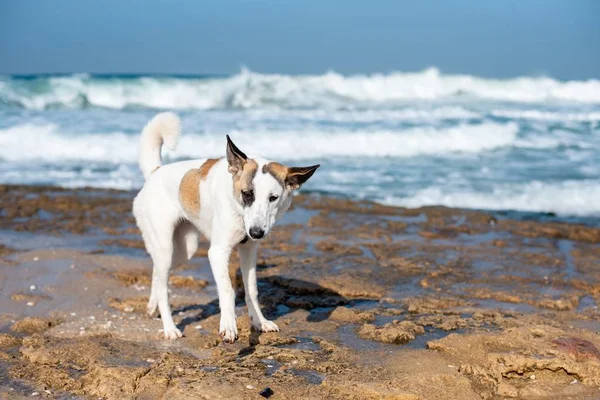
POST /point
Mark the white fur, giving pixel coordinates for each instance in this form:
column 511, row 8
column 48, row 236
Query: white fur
column 171, row 235
column 164, row 127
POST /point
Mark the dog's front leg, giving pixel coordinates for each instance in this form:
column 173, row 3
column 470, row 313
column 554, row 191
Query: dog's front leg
column 248, row 252
column 218, row 255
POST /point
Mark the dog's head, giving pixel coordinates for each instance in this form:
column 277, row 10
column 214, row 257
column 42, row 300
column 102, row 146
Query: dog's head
column 263, row 188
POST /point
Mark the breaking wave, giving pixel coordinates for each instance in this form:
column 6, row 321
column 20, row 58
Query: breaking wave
column 569, row 198
column 249, row 89
column 47, row 142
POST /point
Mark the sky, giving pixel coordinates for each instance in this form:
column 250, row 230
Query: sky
column 490, row 38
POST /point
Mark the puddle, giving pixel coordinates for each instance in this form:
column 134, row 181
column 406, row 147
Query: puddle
column 310, row 376
column 304, row 343
column 565, row 247
column 587, row 302
column 297, row 215
column 589, row 325
column 272, row 366
column 420, row 341
column 506, row 306
column 349, row 338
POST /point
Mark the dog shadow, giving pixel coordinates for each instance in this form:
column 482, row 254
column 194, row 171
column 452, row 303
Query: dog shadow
column 279, row 296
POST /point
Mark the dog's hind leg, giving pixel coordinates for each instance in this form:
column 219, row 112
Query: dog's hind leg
column 248, row 252
column 159, row 243
column 185, row 244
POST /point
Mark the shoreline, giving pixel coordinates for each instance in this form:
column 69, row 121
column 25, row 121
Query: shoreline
column 374, row 301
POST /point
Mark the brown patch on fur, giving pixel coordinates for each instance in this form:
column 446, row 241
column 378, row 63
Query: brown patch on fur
column 278, row 171
column 189, row 188
column 243, row 181
column 208, row 164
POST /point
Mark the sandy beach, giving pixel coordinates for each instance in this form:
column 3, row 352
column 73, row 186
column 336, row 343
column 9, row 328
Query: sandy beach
column 373, row 302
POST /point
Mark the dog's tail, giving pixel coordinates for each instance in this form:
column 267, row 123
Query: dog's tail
column 163, row 128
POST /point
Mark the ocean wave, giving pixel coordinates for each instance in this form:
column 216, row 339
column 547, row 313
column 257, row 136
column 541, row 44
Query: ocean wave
column 539, row 115
column 122, row 177
column 47, row 142
column 249, row 89
column 567, row 198
column 373, row 115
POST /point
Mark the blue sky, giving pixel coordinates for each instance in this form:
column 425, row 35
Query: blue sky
column 559, row 38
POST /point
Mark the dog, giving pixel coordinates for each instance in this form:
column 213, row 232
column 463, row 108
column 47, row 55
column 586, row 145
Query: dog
column 233, row 201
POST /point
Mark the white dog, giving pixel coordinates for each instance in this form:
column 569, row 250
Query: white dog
column 233, row 201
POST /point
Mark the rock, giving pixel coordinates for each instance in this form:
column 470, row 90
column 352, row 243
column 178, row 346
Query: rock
column 267, row 392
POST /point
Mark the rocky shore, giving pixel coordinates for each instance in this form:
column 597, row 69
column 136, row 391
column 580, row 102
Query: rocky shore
column 372, row 301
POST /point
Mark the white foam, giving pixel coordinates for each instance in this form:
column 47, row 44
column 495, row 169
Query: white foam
column 123, row 178
column 567, row 198
column 250, row 89
column 45, row 142
column 373, row 115
column 547, row 115
column 463, row 138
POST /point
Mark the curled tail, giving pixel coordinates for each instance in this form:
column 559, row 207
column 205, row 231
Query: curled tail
column 163, row 128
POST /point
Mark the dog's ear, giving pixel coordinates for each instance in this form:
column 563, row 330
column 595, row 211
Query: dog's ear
column 235, row 157
column 296, row 176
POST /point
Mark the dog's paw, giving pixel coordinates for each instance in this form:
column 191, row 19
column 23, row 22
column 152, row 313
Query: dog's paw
column 228, row 329
column 266, row 326
column 172, row 333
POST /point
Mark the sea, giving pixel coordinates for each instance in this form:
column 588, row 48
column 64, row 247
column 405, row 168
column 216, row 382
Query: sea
column 526, row 144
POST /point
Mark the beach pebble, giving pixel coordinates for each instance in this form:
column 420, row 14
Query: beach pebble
column 36, row 259
column 249, row 387
column 198, row 327
column 32, row 287
column 128, row 309
column 31, row 303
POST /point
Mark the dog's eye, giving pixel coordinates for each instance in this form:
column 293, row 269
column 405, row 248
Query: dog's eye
column 248, row 197
column 273, row 197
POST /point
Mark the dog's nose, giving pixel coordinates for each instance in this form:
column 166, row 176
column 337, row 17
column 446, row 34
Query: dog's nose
column 256, row 233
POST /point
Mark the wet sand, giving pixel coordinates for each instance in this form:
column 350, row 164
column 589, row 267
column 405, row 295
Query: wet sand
column 372, row 301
